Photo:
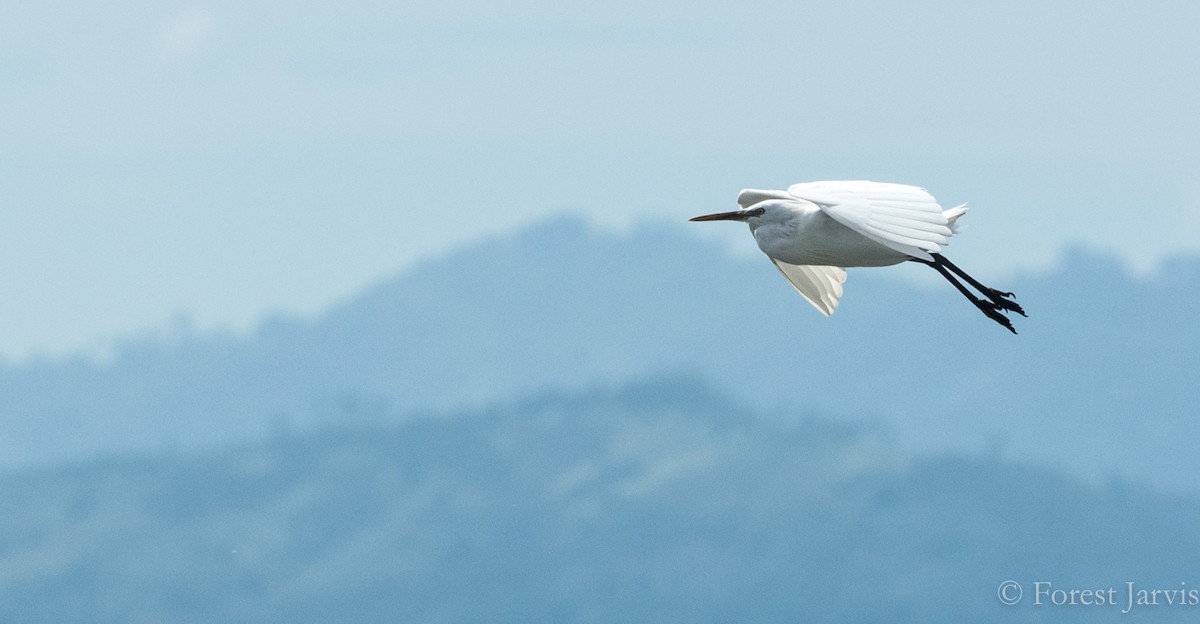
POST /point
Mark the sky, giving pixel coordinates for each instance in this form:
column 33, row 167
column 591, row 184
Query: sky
column 207, row 164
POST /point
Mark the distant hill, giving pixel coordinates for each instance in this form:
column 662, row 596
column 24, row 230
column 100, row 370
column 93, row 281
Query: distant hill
column 663, row 501
column 1100, row 381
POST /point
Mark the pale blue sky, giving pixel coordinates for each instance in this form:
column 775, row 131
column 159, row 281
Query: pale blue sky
column 227, row 159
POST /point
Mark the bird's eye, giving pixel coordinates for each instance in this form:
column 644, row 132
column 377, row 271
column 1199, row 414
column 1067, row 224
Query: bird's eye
column 758, row 212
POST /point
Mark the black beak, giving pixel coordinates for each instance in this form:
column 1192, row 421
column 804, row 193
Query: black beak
column 736, row 215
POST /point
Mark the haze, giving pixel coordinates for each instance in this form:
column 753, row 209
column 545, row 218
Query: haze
column 209, row 163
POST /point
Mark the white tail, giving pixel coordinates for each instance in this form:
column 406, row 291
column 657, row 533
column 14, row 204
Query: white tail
column 952, row 216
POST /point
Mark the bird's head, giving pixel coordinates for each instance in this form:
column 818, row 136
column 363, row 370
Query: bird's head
column 758, row 206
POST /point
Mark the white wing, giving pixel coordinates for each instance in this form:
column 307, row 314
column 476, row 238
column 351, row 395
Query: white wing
column 901, row 217
column 820, row 285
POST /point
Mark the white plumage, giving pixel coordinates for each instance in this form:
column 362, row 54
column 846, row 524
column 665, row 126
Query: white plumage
column 812, row 231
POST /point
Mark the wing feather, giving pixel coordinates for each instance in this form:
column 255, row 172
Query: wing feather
column 921, row 225
column 820, row 285
column 898, row 216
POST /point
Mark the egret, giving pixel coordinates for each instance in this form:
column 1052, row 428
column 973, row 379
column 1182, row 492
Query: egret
column 813, row 231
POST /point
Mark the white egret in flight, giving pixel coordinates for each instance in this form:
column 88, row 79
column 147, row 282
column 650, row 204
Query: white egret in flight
column 812, row 231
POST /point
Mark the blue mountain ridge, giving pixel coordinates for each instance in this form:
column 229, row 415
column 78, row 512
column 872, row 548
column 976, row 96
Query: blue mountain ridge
column 1099, row 382
column 660, row 500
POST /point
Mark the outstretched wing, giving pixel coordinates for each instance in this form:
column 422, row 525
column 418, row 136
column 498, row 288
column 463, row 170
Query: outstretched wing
column 898, row 216
column 820, row 285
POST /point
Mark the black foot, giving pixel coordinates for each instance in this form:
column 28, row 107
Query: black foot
column 1004, row 301
column 993, row 313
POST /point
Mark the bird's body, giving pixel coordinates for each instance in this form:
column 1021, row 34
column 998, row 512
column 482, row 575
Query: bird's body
column 802, row 233
column 812, row 231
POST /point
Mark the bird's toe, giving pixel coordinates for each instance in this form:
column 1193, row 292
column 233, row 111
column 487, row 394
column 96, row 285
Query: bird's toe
column 993, row 312
column 1003, row 300
column 1011, row 306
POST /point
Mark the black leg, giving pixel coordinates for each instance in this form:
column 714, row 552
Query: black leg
column 1000, row 298
column 989, row 308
